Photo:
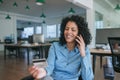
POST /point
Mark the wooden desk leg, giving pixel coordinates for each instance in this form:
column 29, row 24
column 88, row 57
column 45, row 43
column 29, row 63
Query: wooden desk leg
column 43, row 49
column 94, row 61
column 100, row 61
column 16, row 53
column 42, row 52
column 28, row 56
column 39, row 52
column 5, row 52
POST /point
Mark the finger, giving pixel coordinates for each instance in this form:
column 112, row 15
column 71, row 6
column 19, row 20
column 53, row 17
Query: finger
column 30, row 68
column 35, row 74
column 33, row 69
column 78, row 37
column 77, row 41
column 81, row 38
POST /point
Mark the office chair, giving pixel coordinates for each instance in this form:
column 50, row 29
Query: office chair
column 11, row 50
column 114, row 43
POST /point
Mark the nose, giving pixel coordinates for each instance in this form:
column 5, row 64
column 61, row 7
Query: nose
column 69, row 31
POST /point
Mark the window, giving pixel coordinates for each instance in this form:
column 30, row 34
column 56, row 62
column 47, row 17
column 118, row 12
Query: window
column 38, row 30
column 98, row 20
column 27, row 32
column 58, row 30
column 51, row 31
column 99, row 24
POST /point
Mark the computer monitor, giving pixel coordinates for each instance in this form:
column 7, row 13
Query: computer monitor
column 103, row 34
column 38, row 38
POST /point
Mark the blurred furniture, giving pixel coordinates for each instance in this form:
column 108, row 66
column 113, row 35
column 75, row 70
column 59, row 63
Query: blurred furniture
column 38, row 38
column 35, row 49
column 29, row 77
column 98, row 52
column 8, row 40
column 108, row 72
column 11, row 50
column 27, row 47
column 30, row 39
column 114, row 43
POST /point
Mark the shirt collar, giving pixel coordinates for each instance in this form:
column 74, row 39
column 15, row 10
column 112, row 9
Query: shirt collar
column 75, row 49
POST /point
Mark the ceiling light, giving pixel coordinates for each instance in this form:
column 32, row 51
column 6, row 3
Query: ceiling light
column 1, row 1
column 29, row 23
column 43, row 16
column 71, row 11
column 27, row 7
column 8, row 17
column 15, row 4
column 43, row 22
column 40, row 2
column 117, row 7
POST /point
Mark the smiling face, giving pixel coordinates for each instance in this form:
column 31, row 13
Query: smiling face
column 70, row 32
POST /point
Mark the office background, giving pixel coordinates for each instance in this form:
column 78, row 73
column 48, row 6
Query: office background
column 98, row 14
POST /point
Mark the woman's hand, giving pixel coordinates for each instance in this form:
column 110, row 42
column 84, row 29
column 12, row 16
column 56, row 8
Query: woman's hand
column 37, row 73
column 81, row 45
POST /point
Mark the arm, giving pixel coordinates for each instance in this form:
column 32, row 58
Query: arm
column 51, row 60
column 36, row 72
column 86, row 68
column 39, row 73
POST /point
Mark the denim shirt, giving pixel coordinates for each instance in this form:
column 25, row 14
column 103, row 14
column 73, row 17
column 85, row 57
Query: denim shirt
column 68, row 65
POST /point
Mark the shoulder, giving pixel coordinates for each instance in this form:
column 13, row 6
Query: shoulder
column 56, row 45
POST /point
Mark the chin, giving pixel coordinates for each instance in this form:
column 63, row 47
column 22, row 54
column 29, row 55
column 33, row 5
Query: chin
column 69, row 41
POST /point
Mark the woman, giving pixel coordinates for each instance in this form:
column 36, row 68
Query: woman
column 70, row 57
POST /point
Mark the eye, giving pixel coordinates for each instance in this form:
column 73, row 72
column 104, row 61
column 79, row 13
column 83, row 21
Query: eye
column 66, row 28
column 74, row 30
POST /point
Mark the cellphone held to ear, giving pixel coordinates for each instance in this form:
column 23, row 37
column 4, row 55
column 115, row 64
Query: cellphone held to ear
column 76, row 40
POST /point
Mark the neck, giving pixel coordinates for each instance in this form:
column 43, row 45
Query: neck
column 70, row 46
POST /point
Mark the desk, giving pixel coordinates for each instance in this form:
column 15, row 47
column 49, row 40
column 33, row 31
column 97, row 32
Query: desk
column 101, row 53
column 2, row 42
column 27, row 46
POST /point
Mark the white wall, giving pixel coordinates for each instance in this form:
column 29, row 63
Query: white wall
column 4, row 24
column 9, row 27
column 88, row 5
column 111, row 18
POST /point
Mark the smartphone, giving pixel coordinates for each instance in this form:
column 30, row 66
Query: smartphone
column 78, row 39
column 42, row 63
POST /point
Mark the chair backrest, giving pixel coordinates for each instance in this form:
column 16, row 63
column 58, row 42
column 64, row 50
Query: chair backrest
column 114, row 43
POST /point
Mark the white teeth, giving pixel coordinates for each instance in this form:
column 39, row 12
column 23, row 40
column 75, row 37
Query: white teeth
column 69, row 36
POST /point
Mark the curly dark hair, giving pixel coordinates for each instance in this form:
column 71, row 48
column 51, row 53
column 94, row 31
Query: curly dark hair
column 82, row 26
